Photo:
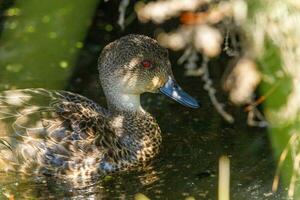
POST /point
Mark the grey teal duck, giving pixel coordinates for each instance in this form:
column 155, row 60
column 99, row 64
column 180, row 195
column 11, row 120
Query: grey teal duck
column 62, row 133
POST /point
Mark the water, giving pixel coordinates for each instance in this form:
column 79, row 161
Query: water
column 193, row 141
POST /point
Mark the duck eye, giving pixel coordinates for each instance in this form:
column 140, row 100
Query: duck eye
column 146, row 64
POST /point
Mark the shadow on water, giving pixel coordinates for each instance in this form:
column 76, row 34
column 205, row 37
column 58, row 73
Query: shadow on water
column 193, row 141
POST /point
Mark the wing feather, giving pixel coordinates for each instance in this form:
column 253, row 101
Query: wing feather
column 38, row 126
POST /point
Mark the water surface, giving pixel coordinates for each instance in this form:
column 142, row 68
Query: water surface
column 193, row 141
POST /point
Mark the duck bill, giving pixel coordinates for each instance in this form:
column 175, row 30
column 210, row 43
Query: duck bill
column 172, row 90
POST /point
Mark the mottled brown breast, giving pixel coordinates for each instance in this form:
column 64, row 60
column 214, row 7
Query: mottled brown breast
column 137, row 140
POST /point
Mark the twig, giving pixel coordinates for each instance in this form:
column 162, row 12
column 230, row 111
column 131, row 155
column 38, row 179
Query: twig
column 224, row 178
column 122, row 10
column 212, row 91
column 282, row 158
column 229, row 51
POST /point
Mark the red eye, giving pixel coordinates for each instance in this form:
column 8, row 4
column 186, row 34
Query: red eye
column 146, row 64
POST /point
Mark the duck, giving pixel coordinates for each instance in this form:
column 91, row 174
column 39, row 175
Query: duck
column 62, row 133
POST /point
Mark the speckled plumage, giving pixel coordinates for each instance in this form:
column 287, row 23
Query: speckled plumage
column 61, row 133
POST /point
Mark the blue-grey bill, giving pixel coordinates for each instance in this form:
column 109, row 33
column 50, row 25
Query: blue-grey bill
column 172, row 90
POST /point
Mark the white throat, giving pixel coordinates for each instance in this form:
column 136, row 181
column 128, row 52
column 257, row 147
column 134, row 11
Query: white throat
column 125, row 102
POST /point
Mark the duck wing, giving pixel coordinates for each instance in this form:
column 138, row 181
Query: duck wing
column 47, row 129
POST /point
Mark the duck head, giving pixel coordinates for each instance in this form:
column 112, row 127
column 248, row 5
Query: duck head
column 135, row 64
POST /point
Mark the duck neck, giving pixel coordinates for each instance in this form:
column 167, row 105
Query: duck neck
column 124, row 102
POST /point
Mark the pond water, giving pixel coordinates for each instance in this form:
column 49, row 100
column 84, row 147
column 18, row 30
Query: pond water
column 193, row 141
